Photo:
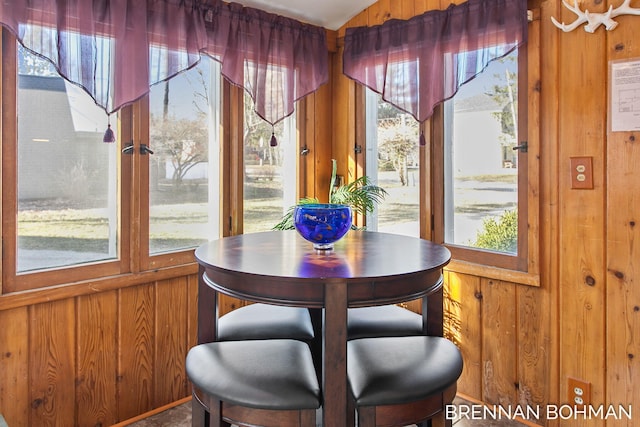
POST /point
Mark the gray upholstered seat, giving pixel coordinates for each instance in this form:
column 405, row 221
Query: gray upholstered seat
column 383, row 321
column 265, row 321
column 402, row 379
column 272, row 381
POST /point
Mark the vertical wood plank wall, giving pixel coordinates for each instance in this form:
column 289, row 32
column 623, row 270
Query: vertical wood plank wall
column 622, row 237
column 97, row 359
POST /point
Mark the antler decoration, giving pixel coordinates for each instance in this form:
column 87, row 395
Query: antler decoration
column 594, row 20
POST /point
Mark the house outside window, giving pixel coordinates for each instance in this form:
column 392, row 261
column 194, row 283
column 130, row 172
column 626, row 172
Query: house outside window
column 481, row 165
column 480, row 168
column 67, row 204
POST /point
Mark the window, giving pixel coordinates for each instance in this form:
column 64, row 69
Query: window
column 67, row 207
column 75, row 208
column 481, row 167
column 184, row 122
column 270, row 177
column 393, row 163
column 472, row 187
column 66, row 179
column 85, row 209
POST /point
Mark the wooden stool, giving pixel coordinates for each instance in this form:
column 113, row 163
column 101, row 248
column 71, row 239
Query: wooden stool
column 265, row 321
column 270, row 383
column 399, row 381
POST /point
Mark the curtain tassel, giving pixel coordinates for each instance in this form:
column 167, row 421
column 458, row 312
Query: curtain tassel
column 274, row 141
column 109, row 136
column 423, row 140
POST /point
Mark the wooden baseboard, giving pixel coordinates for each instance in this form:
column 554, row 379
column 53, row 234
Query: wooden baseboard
column 152, row 412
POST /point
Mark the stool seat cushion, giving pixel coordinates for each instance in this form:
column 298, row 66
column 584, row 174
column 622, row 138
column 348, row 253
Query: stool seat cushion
column 383, row 321
column 263, row 374
column 396, row 370
column 265, row 321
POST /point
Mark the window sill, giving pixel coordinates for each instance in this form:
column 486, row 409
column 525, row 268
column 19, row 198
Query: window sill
column 519, row 277
column 69, row 290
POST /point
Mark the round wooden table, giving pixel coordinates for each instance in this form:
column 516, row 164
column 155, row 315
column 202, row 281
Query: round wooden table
column 365, row 268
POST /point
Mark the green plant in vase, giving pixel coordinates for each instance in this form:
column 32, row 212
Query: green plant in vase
column 360, row 194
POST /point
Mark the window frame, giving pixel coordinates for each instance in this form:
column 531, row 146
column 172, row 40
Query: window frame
column 133, row 197
column 141, row 116
column 13, row 281
column 478, row 255
column 523, row 267
column 134, row 262
column 370, row 104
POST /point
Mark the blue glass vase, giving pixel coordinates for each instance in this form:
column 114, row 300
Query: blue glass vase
column 322, row 224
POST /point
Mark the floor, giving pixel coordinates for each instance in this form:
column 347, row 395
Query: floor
column 180, row 416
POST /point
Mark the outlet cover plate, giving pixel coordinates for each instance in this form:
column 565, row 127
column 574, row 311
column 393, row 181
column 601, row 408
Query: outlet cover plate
column 579, row 392
column 581, row 173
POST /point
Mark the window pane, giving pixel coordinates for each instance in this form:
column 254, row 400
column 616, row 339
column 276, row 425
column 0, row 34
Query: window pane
column 183, row 171
column 393, row 163
column 67, row 206
column 269, row 172
column 481, row 167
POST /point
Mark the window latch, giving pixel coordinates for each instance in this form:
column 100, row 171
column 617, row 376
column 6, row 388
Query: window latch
column 523, row 147
column 128, row 149
column 144, row 149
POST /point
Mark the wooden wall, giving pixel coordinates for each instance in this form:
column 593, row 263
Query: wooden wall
column 97, row 358
column 521, row 343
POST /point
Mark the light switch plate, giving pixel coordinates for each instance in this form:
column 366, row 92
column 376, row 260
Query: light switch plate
column 581, row 172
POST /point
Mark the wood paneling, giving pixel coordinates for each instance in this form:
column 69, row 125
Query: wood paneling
column 97, row 323
column 581, row 215
column 97, row 359
column 623, row 238
column 14, row 369
column 323, row 137
column 499, row 347
column 463, row 326
column 52, row 364
column 344, row 128
column 495, row 325
column 135, row 353
column 533, row 347
column 316, row 129
column 549, row 244
column 170, row 339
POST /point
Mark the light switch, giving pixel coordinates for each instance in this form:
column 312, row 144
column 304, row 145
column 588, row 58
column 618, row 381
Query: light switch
column 581, row 172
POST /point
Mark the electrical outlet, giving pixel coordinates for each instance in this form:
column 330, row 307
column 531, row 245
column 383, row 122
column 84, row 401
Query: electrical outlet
column 581, row 172
column 579, row 392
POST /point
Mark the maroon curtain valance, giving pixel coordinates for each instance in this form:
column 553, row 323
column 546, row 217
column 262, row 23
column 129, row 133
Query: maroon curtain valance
column 117, row 49
column 415, row 64
column 276, row 59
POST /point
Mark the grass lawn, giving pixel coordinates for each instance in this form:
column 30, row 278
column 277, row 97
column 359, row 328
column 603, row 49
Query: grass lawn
column 177, row 223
